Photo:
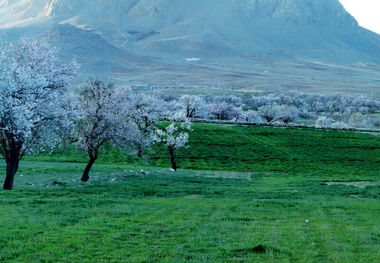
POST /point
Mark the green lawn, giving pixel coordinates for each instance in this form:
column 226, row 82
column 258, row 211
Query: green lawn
column 340, row 154
column 250, row 186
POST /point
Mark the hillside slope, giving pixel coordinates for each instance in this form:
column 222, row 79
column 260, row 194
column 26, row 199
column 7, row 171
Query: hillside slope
column 308, row 45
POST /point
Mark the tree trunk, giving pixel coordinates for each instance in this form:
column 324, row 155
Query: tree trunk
column 192, row 113
column 173, row 159
column 187, row 112
column 140, row 151
column 12, row 167
column 86, row 173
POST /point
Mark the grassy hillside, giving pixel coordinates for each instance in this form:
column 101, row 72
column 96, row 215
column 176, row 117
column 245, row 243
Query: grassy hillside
column 262, row 149
column 295, row 151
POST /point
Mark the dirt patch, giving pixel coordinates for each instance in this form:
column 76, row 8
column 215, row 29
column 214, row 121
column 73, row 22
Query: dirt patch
column 227, row 175
column 259, row 249
column 191, row 196
column 359, row 184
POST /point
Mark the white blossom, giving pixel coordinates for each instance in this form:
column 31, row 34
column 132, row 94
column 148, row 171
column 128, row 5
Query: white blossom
column 270, row 112
column 324, row 122
column 141, row 113
column 223, row 110
column 193, row 106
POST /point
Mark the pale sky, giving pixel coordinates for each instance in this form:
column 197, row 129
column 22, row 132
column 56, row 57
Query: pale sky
column 366, row 12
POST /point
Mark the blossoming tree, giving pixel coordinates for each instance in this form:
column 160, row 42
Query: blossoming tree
column 192, row 105
column 142, row 112
column 99, row 109
column 174, row 137
column 34, row 113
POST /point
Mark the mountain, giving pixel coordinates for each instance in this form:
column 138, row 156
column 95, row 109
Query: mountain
column 307, row 45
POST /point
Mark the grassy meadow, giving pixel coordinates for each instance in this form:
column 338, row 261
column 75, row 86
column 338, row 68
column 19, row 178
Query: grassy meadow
column 243, row 194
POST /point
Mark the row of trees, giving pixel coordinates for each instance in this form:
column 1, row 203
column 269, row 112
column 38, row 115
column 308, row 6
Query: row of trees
column 38, row 110
column 284, row 108
column 106, row 113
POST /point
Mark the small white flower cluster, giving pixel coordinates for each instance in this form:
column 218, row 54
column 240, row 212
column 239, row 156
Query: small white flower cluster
column 175, row 136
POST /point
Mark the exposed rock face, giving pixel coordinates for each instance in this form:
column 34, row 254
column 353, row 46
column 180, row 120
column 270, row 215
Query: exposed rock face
column 325, row 12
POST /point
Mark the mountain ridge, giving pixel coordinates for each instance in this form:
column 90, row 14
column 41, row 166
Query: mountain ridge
column 229, row 40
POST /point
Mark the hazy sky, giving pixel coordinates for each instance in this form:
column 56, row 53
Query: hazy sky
column 366, row 12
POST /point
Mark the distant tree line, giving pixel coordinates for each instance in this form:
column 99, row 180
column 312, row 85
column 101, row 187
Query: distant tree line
column 330, row 111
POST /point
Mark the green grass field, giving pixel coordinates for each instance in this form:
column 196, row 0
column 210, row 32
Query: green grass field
column 303, row 195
